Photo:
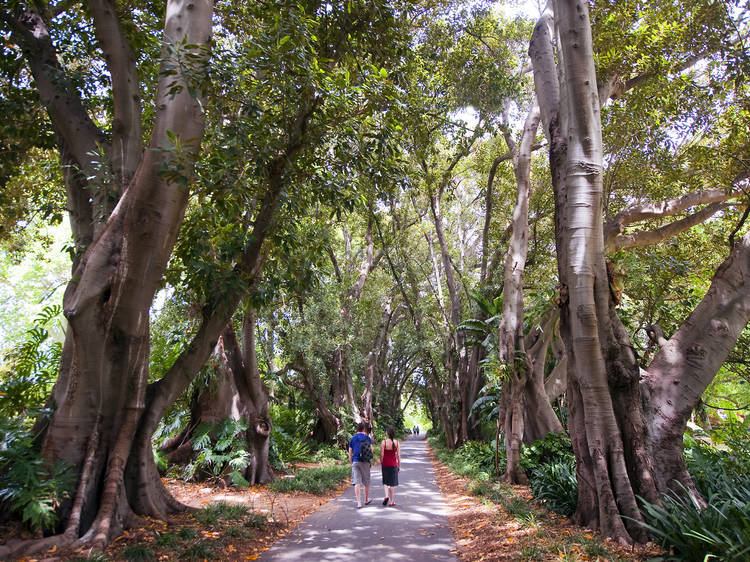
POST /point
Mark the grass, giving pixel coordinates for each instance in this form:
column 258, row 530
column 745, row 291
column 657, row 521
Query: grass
column 313, row 480
column 137, row 552
column 200, row 550
column 215, row 512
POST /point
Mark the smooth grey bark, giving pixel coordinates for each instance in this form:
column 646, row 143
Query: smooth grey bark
column 626, row 424
column 605, row 490
column 511, row 345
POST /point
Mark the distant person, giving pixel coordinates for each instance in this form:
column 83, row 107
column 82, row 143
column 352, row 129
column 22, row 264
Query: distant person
column 360, row 457
column 390, row 465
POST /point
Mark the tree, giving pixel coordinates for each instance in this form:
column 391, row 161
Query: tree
column 103, row 376
column 626, row 423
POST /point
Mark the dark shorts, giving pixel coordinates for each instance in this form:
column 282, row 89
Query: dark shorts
column 390, row 475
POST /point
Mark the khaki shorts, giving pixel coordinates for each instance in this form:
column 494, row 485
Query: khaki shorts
column 361, row 473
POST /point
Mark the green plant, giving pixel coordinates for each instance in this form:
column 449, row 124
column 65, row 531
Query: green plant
column 555, row 486
column 475, row 459
column 256, row 520
column 198, row 551
column 30, row 368
column 289, row 449
column 167, row 539
column 234, row 532
column 216, row 511
column 330, row 452
column 27, row 483
column 137, row 552
column 313, row 480
column 187, row 533
column 221, row 451
column 533, row 551
column 552, row 448
column 721, row 530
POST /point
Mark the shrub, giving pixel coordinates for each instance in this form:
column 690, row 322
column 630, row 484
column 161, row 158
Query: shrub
column 555, row 486
column 221, row 451
column 313, row 480
column 27, row 484
column 720, row 531
column 330, row 452
column 287, row 448
column 553, row 448
column 30, row 368
column 474, row 458
column 479, row 454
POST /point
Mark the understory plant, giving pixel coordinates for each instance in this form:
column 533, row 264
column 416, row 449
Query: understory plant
column 221, row 451
column 28, row 485
column 313, row 480
column 721, row 530
column 549, row 464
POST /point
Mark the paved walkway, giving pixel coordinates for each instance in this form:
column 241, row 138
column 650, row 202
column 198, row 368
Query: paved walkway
column 416, row 529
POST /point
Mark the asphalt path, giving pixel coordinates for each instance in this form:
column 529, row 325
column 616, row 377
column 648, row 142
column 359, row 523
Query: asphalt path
column 415, row 529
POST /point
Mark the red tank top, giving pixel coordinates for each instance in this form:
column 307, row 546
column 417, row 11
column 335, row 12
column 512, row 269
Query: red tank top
column 389, row 456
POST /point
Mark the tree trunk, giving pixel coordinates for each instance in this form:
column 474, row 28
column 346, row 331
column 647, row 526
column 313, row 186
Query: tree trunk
column 539, row 417
column 605, row 489
column 102, row 393
column 511, row 346
column 239, row 393
column 684, row 367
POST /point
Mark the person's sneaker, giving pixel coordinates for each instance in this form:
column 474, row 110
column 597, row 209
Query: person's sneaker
column 368, row 502
column 385, row 501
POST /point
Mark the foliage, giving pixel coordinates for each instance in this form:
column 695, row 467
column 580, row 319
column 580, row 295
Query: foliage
column 137, row 553
column 216, row 511
column 313, row 480
column 330, row 452
column 200, row 550
column 27, row 483
column 475, row 459
column 714, row 470
column 288, row 449
column 554, row 484
column 30, row 368
column 719, row 531
column 552, row 448
column 221, row 450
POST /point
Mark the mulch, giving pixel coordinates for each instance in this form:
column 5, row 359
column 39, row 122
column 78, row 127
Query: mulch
column 484, row 531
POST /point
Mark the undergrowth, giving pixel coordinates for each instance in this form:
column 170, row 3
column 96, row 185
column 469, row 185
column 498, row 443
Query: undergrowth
column 313, row 480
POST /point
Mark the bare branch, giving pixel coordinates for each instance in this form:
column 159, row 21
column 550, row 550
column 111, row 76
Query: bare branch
column 650, row 237
column 127, row 129
column 616, row 225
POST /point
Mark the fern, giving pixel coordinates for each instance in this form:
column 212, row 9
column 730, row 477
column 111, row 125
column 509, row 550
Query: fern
column 30, row 368
column 31, row 488
column 221, row 449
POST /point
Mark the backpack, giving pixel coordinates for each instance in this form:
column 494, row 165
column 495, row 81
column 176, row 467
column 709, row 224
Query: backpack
column 365, row 451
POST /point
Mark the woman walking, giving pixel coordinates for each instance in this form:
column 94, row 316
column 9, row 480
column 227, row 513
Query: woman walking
column 390, row 464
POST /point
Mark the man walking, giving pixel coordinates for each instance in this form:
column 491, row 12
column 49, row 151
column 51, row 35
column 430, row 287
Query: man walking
column 360, row 455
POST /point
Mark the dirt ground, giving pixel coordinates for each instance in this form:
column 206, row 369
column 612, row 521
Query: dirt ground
column 483, row 531
column 487, row 532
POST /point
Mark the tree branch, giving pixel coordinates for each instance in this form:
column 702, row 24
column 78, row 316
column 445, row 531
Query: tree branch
column 127, row 129
column 650, row 237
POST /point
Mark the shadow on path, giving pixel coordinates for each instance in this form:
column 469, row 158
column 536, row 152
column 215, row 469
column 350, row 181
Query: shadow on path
column 416, row 529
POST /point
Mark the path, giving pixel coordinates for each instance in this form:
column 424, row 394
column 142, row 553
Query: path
column 416, row 529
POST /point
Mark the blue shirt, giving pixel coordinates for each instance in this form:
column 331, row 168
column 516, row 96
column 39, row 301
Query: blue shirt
column 356, row 442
